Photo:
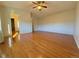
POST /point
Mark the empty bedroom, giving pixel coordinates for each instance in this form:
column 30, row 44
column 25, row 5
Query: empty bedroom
column 39, row 29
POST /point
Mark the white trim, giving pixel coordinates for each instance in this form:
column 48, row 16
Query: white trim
column 76, row 40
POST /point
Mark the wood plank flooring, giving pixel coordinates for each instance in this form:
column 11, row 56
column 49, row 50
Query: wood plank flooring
column 41, row 45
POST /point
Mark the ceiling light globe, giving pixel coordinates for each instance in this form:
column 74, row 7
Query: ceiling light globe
column 39, row 7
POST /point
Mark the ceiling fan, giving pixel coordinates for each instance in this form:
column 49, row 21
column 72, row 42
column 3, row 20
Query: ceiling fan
column 39, row 5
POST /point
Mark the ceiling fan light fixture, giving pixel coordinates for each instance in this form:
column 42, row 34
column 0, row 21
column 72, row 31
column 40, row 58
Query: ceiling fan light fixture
column 39, row 7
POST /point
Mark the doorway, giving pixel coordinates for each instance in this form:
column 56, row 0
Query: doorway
column 13, row 26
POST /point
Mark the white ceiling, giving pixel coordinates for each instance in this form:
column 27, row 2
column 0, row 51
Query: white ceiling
column 53, row 6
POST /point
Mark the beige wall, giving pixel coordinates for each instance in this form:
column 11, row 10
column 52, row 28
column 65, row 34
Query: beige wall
column 60, row 22
column 4, row 18
column 3, row 27
column 76, row 36
column 24, row 18
column 25, row 21
column 1, row 33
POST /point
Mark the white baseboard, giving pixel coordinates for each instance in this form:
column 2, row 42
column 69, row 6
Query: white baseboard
column 26, row 32
column 54, row 32
column 76, row 40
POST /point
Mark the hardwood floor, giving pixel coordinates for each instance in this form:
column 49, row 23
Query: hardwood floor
column 41, row 45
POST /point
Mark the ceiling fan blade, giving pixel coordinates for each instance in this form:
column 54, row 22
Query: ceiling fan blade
column 38, row 2
column 44, row 6
column 43, row 1
column 35, row 3
column 35, row 7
